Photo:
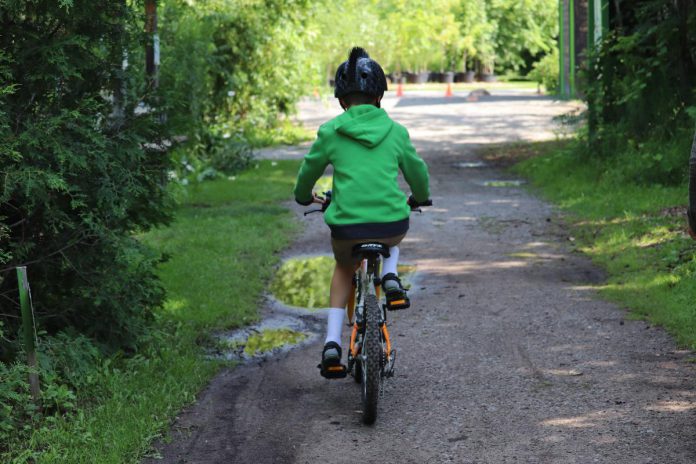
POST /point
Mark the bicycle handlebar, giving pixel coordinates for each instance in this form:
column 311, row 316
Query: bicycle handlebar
column 415, row 206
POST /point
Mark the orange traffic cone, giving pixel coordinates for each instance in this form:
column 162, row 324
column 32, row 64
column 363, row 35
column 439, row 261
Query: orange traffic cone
column 448, row 92
column 316, row 93
column 399, row 90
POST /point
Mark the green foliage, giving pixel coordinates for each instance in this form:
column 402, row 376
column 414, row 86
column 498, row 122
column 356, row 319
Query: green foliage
column 16, row 405
column 230, row 71
column 113, row 407
column 436, row 35
column 522, row 27
column 79, row 175
column 545, row 72
column 641, row 79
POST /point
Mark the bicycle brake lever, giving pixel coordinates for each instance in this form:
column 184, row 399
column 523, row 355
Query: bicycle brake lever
column 312, row 211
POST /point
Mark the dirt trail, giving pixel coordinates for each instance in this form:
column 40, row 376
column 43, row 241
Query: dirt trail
column 507, row 355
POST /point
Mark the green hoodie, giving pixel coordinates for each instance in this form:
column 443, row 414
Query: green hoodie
column 366, row 149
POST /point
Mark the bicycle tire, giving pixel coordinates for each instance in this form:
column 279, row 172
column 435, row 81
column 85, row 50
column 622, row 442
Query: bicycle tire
column 372, row 364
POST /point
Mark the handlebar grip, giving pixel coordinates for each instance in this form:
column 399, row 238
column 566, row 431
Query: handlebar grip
column 416, row 204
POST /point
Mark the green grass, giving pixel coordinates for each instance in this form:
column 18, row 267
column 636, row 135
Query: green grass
column 223, row 245
column 222, row 248
column 636, row 231
column 286, row 133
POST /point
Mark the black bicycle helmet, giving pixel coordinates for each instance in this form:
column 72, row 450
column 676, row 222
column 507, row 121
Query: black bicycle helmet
column 360, row 74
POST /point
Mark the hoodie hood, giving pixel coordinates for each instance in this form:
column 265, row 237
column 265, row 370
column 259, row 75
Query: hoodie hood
column 365, row 124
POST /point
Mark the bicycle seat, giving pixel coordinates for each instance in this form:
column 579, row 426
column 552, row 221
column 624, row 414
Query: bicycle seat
column 362, row 249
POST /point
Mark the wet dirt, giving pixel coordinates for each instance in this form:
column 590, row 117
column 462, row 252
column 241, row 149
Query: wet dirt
column 506, row 356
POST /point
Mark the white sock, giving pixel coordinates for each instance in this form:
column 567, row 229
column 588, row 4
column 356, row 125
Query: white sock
column 334, row 325
column 389, row 264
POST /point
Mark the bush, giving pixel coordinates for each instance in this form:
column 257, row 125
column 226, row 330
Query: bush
column 641, row 79
column 545, row 72
column 81, row 172
column 231, row 67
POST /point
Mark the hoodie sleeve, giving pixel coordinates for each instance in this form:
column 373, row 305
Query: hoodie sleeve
column 312, row 168
column 415, row 170
column 691, row 211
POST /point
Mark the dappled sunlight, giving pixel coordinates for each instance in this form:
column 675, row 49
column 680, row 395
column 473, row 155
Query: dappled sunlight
column 624, row 377
column 450, row 266
column 599, row 363
column 412, row 239
column 660, row 280
column 464, row 218
column 175, row 307
column 584, row 288
column 672, row 406
column 432, row 209
column 562, row 372
column 531, row 245
column 504, row 201
column 568, row 348
column 592, row 419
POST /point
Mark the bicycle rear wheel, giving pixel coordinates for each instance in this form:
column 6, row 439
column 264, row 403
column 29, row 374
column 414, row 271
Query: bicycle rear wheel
column 372, row 360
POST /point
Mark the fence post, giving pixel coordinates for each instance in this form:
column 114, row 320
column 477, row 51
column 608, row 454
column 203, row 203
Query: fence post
column 28, row 339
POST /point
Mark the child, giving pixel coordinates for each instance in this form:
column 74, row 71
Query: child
column 366, row 149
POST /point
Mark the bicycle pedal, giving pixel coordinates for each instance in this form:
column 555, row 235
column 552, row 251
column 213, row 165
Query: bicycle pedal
column 337, row 371
column 401, row 303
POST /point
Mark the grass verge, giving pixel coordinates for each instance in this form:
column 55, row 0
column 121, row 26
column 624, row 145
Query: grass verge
column 634, row 230
column 221, row 250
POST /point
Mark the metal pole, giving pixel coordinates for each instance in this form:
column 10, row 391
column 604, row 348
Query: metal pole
column 28, row 339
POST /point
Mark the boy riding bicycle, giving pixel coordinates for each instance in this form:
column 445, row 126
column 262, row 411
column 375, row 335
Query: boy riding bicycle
column 367, row 149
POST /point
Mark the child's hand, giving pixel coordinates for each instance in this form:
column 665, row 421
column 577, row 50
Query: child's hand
column 318, row 199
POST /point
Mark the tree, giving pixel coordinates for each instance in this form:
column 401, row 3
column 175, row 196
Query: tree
column 77, row 180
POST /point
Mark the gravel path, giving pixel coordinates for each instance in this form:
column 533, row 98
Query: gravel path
column 507, row 355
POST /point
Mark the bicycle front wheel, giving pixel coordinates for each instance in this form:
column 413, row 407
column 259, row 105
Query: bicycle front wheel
column 371, row 360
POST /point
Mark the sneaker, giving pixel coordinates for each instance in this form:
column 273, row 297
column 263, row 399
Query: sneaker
column 396, row 296
column 331, row 366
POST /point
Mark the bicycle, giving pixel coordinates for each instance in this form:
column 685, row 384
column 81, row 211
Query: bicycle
column 371, row 357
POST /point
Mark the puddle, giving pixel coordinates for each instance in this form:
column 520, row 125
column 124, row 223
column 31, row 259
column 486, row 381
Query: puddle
column 273, row 335
column 305, row 282
column 471, row 165
column 504, row 183
column 271, row 339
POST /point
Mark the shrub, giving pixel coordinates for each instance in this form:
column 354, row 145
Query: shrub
column 545, row 71
column 80, row 171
